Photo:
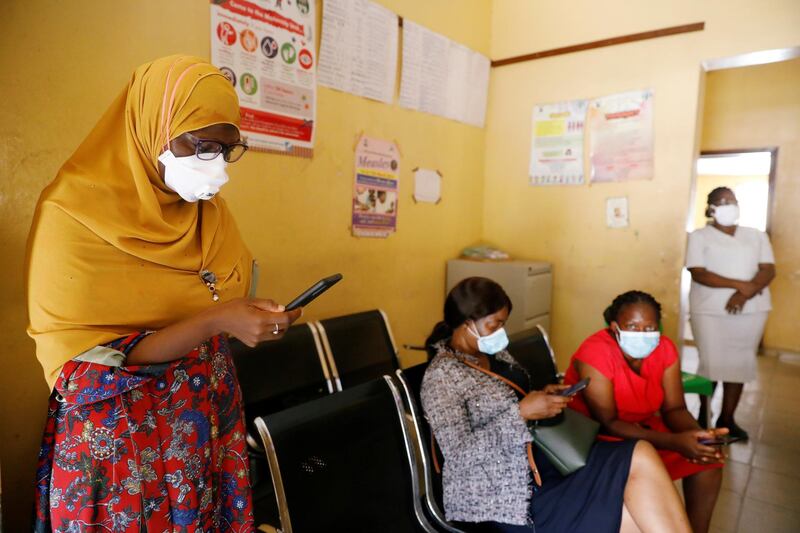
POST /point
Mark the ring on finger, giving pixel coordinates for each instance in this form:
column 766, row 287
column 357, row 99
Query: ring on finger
column 276, row 330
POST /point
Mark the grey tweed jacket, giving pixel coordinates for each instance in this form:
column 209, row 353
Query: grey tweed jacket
column 475, row 419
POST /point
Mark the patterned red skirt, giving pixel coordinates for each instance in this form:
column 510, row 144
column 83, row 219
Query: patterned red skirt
column 157, row 448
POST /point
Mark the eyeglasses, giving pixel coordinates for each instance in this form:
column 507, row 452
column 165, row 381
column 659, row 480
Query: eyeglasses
column 207, row 150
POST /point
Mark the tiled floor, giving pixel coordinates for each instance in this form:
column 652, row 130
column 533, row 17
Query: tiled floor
column 761, row 481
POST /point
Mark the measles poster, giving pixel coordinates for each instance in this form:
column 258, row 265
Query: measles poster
column 266, row 49
column 620, row 130
column 557, row 143
column 377, row 178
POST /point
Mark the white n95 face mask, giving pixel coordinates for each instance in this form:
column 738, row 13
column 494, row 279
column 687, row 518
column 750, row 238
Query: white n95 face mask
column 726, row 215
column 194, row 178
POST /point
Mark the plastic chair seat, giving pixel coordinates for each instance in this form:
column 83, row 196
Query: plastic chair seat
column 694, row 384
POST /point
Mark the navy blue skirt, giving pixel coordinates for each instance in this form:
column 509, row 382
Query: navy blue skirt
column 586, row 501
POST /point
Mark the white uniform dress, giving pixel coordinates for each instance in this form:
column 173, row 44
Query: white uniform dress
column 728, row 343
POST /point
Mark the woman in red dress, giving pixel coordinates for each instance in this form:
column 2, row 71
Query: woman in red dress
column 136, row 275
column 636, row 392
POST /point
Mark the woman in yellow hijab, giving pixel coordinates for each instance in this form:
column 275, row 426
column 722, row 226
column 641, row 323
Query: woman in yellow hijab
column 136, row 275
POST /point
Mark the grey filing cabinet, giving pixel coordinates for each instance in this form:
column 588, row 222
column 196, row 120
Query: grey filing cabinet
column 529, row 284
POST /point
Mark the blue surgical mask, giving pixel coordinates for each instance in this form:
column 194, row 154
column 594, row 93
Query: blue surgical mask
column 638, row 344
column 491, row 344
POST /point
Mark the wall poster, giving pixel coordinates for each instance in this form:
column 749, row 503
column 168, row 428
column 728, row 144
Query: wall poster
column 266, row 49
column 557, row 143
column 620, row 130
column 376, row 184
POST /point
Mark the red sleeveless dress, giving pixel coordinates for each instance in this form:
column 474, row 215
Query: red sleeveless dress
column 638, row 396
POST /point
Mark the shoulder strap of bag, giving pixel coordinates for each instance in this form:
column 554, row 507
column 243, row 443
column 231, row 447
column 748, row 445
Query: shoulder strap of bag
column 505, row 380
column 536, row 477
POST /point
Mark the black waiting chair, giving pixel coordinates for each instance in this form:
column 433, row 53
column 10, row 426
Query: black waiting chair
column 345, row 462
column 531, row 348
column 431, row 487
column 283, row 373
column 360, row 347
column 273, row 376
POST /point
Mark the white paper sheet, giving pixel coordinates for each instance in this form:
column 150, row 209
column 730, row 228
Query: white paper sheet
column 617, row 212
column 427, row 185
column 442, row 77
column 358, row 53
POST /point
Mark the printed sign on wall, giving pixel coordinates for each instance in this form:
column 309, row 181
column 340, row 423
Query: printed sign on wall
column 621, row 137
column 377, row 178
column 266, row 49
column 557, row 143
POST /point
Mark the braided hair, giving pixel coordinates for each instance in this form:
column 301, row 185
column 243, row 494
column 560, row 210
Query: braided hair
column 714, row 196
column 629, row 298
column 470, row 299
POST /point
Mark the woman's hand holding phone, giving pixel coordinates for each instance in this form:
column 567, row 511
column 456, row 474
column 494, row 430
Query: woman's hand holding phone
column 254, row 320
column 690, row 445
column 574, row 389
column 720, row 437
column 555, row 388
column 538, row 405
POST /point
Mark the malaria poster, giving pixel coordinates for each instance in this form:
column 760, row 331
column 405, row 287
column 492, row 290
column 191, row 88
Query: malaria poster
column 266, row 50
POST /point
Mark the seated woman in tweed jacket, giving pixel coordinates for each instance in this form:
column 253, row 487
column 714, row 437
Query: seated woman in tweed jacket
column 492, row 480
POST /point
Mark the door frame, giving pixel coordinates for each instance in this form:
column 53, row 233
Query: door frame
column 683, row 310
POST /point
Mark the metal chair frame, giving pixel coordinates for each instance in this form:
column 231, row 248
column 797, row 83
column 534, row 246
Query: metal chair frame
column 427, row 468
column 331, row 360
column 411, row 456
column 559, row 375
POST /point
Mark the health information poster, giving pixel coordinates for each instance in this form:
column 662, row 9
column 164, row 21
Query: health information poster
column 557, row 143
column 266, row 49
column 377, row 178
column 620, row 130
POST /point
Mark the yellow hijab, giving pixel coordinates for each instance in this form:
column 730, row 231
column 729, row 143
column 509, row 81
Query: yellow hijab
column 112, row 249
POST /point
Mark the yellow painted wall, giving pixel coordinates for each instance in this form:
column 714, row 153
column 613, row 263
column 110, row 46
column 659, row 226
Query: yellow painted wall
column 566, row 225
column 63, row 63
column 760, row 107
column 706, row 184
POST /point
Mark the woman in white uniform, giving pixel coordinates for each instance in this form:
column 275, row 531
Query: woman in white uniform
column 731, row 267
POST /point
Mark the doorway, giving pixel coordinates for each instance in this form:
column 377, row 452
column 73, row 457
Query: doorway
column 750, row 173
column 747, row 110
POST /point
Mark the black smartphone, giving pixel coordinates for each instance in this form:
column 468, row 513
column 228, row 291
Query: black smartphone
column 576, row 388
column 723, row 440
column 312, row 292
